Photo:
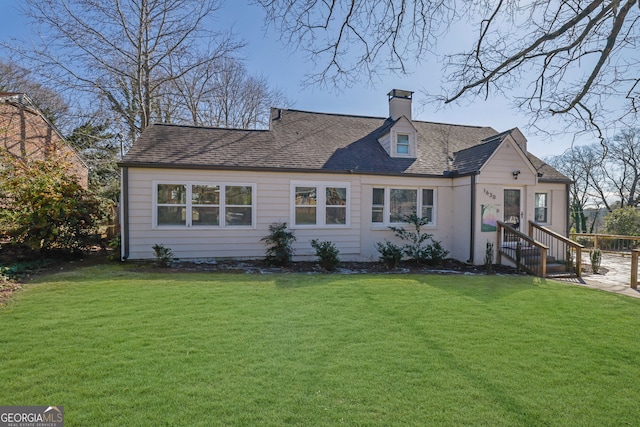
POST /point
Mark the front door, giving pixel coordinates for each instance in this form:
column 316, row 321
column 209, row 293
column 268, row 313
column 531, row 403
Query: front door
column 512, row 208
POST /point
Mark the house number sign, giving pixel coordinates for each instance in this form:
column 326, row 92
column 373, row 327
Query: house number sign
column 490, row 194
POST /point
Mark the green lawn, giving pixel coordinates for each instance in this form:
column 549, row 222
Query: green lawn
column 126, row 348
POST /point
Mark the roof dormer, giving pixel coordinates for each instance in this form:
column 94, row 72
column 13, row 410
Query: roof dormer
column 401, row 138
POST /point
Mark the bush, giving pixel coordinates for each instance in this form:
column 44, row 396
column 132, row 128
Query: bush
column 416, row 247
column 279, row 250
column 164, row 256
column 596, row 259
column 115, row 245
column 46, row 209
column 568, row 260
column 624, row 222
column 488, row 258
column 390, row 254
column 436, row 253
column 327, row 254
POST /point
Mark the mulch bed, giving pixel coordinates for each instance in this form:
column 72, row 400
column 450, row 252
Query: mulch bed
column 260, row 267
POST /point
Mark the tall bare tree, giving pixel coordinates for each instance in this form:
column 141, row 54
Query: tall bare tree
column 583, row 165
column 571, row 58
column 14, row 78
column 623, row 167
column 222, row 93
column 242, row 100
column 125, row 51
column 605, row 175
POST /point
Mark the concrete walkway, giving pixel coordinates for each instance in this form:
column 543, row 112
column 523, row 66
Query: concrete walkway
column 616, row 279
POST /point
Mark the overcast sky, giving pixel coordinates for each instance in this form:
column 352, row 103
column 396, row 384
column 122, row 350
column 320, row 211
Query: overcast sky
column 285, row 69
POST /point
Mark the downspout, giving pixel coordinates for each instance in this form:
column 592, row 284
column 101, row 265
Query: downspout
column 124, row 215
column 473, row 219
column 567, row 220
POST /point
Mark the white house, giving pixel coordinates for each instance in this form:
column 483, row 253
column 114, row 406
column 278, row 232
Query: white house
column 212, row 193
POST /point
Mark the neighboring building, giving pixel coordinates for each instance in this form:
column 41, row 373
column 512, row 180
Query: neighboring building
column 212, row 193
column 27, row 133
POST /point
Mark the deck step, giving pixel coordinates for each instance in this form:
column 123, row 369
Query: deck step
column 532, row 256
column 556, row 268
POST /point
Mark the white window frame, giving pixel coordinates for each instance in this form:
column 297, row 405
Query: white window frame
column 547, row 206
column 321, row 204
column 412, row 148
column 189, row 204
column 386, row 222
column 398, row 135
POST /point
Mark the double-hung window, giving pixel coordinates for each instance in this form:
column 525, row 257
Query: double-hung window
column 402, row 144
column 320, row 204
column 171, row 204
column 541, row 208
column 204, row 205
column 393, row 205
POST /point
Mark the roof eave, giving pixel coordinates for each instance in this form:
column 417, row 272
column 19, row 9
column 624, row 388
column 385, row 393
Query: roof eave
column 281, row 170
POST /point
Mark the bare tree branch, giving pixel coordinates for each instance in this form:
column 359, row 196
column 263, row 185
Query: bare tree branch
column 126, row 52
column 571, row 58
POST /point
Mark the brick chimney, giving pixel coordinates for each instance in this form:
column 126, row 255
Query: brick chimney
column 400, row 104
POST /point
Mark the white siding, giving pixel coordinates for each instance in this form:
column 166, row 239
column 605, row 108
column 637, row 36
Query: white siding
column 496, row 176
column 358, row 240
column 557, row 205
column 385, row 142
column 499, row 169
column 460, row 211
column 272, row 205
column 374, row 233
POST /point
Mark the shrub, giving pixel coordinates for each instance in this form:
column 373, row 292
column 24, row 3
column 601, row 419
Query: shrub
column 436, row 253
column 327, row 254
column 390, row 254
column 164, row 256
column 624, row 222
column 47, row 209
column 115, row 245
column 416, row 247
column 596, row 259
column 488, row 258
column 279, row 250
column 568, row 260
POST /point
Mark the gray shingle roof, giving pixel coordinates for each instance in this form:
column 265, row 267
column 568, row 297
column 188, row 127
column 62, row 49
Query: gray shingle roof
column 300, row 140
column 471, row 159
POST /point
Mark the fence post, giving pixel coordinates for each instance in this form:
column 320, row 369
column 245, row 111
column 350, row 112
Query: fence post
column 579, row 261
column 634, row 268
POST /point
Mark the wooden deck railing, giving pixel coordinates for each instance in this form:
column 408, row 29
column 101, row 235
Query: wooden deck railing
column 534, row 251
column 561, row 248
column 607, row 242
column 634, row 268
column 525, row 252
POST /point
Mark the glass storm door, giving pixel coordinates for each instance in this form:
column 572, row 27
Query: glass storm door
column 512, row 207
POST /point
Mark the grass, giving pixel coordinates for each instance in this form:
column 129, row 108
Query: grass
column 117, row 347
